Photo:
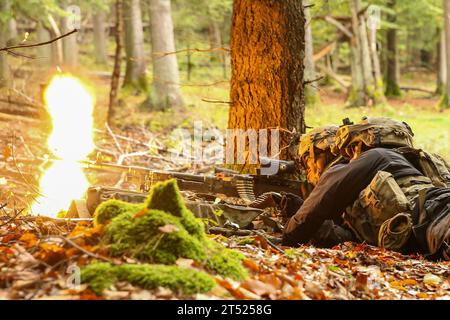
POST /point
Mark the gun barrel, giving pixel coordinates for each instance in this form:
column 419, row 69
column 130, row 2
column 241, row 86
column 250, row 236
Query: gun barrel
column 284, row 167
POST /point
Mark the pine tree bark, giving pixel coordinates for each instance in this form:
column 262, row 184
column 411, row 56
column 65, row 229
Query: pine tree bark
column 392, row 70
column 4, row 37
column 100, row 36
column 311, row 94
column 267, row 58
column 446, row 98
column 165, row 91
column 135, row 76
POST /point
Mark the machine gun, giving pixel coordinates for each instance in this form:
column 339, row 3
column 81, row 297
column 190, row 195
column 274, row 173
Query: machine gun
column 230, row 183
column 227, row 182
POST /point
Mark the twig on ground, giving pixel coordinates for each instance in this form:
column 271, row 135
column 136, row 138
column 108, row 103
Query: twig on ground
column 11, row 219
column 269, row 241
column 73, row 244
column 113, row 136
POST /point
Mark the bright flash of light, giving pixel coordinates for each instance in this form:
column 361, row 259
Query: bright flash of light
column 70, row 106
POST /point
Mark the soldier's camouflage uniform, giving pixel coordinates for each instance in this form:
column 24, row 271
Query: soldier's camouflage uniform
column 392, row 195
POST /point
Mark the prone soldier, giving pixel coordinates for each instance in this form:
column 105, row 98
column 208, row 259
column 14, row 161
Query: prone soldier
column 388, row 193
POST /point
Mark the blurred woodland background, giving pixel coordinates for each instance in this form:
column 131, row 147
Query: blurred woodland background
column 176, row 66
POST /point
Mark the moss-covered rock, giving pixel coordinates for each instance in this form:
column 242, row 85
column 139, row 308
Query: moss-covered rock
column 163, row 230
column 101, row 276
column 143, row 238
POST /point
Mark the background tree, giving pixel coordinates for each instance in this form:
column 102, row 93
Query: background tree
column 311, row 94
column 445, row 103
column 5, row 16
column 441, row 63
column 392, row 68
column 267, row 51
column 70, row 44
column 44, row 52
column 165, row 91
column 135, row 75
column 115, row 78
column 100, row 34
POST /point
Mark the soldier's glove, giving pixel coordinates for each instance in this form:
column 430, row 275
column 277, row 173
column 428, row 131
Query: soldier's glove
column 289, row 204
column 266, row 200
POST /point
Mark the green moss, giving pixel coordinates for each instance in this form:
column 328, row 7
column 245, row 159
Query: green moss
column 163, row 230
column 189, row 281
column 227, row 263
column 165, row 196
column 392, row 89
column 444, row 103
column 112, row 208
column 141, row 237
column 101, row 276
column 246, row 240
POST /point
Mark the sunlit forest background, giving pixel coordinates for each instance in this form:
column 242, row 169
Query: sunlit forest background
column 201, row 31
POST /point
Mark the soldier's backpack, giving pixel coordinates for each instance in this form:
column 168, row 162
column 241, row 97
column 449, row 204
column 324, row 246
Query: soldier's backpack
column 431, row 165
column 372, row 133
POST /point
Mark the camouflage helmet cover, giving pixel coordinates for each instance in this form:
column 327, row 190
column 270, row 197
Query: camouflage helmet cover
column 321, row 138
column 372, row 132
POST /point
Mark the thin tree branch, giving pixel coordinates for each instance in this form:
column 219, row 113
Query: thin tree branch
column 38, row 44
column 163, row 54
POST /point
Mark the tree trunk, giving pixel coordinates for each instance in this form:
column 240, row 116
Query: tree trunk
column 365, row 90
column 100, row 36
column 357, row 96
column 379, row 86
column 117, row 61
column 4, row 37
column 369, row 82
column 70, row 45
column 442, row 64
column 267, row 56
column 446, row 98
column 57, row 47
column 12, row 29
column 392, row 70
column 311, row 95
column 215, row 41
column 166, row 91
column 44, row 52
column 135, row 76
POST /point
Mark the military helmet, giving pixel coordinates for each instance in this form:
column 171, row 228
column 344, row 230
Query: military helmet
column 321, row 138
column 372, row 133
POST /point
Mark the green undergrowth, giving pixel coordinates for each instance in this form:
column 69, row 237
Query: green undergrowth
column 160, row 231
column 101, row 276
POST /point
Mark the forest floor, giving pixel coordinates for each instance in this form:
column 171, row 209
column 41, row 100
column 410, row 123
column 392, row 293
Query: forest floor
column 36, row 252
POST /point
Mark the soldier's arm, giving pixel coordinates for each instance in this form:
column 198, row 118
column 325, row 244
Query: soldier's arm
column 337, row 188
